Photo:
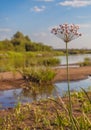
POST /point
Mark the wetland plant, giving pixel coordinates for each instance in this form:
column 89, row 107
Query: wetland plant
column 67, row 32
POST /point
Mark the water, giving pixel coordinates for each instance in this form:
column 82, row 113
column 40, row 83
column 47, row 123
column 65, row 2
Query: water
column 10, row 98
column 74, row 58
column 74, row 86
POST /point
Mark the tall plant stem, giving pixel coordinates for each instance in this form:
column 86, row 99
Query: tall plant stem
column 68, row 82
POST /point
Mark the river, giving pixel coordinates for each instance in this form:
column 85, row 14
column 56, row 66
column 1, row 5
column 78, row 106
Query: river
column 10, row 98
column 74, row 58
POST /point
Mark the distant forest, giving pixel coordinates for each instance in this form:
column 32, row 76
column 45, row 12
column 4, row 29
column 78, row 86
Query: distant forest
column 75, row 51
column 19, row 42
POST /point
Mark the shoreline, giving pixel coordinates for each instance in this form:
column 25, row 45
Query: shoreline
column 11, row 80
column 75, row 73
column 44, row 106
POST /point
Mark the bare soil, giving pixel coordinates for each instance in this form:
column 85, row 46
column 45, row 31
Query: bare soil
column 10, row 80
column 76, row 73
column 45, row 110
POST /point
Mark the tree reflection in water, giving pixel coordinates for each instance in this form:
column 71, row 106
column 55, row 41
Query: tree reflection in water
column 38, row 92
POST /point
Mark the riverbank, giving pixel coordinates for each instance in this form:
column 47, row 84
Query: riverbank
column 10, row 80
column 76, row 73
column 47, row 115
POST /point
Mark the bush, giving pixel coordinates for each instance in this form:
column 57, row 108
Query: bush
column 15, row 60
column 86, row 62
column 52, row 61
column 49, row 61
column 38, row 75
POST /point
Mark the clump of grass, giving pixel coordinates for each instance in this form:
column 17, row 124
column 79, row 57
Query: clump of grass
column 14, row 60
column 86, row 62
column 49, row 61
column 81, row 104
column 38, row 74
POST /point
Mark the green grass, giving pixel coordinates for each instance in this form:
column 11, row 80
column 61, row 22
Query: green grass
column 38, row 75
column 15, row 60
column 86, row 62
column 50, row 114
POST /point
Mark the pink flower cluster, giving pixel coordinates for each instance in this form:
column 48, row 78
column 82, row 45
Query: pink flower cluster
column 67, row 32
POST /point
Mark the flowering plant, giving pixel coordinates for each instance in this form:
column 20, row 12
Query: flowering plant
column 67, row 32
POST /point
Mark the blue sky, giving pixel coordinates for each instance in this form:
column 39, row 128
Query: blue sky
column 36, row 18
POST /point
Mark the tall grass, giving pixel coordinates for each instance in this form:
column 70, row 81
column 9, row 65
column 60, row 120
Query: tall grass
column 12, row 60
column 38, row 74
column 86, row 62
column 49, row 115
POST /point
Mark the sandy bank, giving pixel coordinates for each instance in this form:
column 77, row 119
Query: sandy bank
column 74, row 73
column 9, row 80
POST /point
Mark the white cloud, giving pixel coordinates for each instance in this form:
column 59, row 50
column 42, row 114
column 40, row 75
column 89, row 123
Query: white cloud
column 75, row 3
column 38, row 9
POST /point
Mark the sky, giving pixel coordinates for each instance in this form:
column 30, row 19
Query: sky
column 36, row 18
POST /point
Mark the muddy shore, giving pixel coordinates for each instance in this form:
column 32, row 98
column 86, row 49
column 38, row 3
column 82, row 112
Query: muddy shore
column 76, row 73
column 9, row 80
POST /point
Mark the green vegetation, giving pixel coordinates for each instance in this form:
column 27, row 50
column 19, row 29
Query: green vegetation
column 22, row 43
column 14, row 60
column 33, row 59
column 19, row 42
column 38, row 74
column 86, row 62
column 49, row 114
column 75, row 51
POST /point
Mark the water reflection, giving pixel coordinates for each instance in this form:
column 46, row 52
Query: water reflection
column 73, row 58
column 74, row 86
column 35, row 92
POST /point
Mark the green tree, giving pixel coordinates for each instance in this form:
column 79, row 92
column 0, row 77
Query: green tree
column 6, row 45
column 17, row 38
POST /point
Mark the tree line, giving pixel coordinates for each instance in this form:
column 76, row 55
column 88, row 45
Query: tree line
column 73, row 51
column 20, row 42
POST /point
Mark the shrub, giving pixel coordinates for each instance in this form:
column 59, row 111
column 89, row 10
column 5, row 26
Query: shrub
column 38, row 74
column 49, row 61
column 86, row 62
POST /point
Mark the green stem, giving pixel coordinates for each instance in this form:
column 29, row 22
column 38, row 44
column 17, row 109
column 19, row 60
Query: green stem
column 68, row 81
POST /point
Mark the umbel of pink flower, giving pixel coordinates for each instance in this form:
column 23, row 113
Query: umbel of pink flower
column 66, row 32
